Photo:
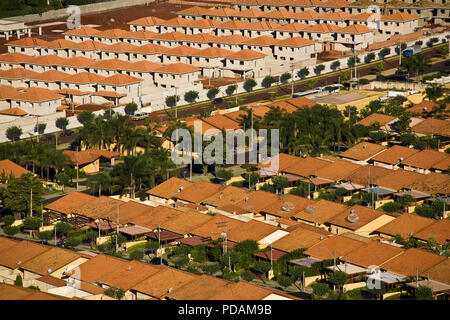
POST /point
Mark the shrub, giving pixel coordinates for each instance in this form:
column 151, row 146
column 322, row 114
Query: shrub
column 191, row 96
column 11, row 231
column 131, row 108
column 285, row 77
column 320, row 289
column 249, row 84
column 247, row 275
column 267, row 81
column 318, row 69
column 18, row 282
column 8, row 220
column 212, row 268
column 423, row 293
column 137, row 254
column 45, row 235
column 72, row 242
column 212, row 93
column 285, row 281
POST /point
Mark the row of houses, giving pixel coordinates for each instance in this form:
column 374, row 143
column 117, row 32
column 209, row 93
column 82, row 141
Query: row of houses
column 64, row 274
column 434, row 11
column 246, row 56
column 399, row 23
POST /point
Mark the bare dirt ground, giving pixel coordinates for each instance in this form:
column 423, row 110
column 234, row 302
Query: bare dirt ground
column 112, row 19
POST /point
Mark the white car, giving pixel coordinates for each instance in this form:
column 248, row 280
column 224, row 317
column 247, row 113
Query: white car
column 139, row 116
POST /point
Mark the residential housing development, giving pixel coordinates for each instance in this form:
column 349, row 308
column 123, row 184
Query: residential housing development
column 119, row 180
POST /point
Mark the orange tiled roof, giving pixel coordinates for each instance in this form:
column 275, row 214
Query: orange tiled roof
column 8, row 168
column 335, row 246
column 394, row 154
column 120, row 80
column 148, row 21
column 263, row 41
column 295, row 42
column 177, row 68
column 84, row 77
column 83, row 31
column 397, row 179
column 401, row 16
column 439, row 231
column 15, row 57
column 364, row 216
column 35, row 94
column 183, row 50
column 382, row 119
column 17, row 112
column 320, row 211
column 431, row 183
column 246, row 55
column 67, row 204
column 17, row 73
column 355, row 28
column 362, row 151
column 28, row 42
column 425, row 159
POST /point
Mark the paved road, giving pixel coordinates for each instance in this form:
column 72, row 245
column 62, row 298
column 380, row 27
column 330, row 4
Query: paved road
column 364, row 70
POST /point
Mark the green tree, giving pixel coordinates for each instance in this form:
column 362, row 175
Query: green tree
column 63, row 228
column 13, row 133
column 377, row 292
column 351, row 61
column 402, row 125
column 303, row 73
column 230, row 89
column 224, row 174
column 230, row 258
column 285, row 281
column 86, row 117
column 379, row 67
column 434, row 92
column 262, row 267
column 335, row 65
column 249, row 84
column 285, row 77
column 247, row 247
column 310, row 83
column 191, row 96
column 212, row 93
column 23, row 194
column 45, row 235
column 130, row 108
column 72, row 242
column 8, row 220
column 267, row 81
column 62, row 123
column 320, row 289
column 384, row 52
column 18, row 282
column 370, row 57
column 423, row 293
column 137, row 254
column 62, row 179
column 40, row 128
column 319, row 68
column 11, row 231
column 212, row 268
column 280, row 182
column 247, row 275
column 338, row 278
column 171, row 101
column 32, row 223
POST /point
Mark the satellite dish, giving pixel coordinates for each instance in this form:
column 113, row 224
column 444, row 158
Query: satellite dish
column 310, row 209
column 170, row 290
column 129, row 268
column 49, row 270
column 287, row 206
column 220, row 195
column 321, row 238
column 352, row 217
column 180, row 189
column 246, row 199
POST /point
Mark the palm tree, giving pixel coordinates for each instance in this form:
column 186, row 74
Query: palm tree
column 433, row 92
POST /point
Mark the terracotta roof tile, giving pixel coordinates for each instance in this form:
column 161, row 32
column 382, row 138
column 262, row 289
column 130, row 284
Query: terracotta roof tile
column 425, row 159
column 251, row 230
column 176, row 22
column 320, row 211
column 382, row 119
column 152, row 218
column 337, row 170
column 323, row 28
column 101, row 206
column 440, row 272
column 439, row 231
column 84, row 77
column 373, row 253
column 397, row 179
column 97, row 267
column 257, row 201
column 148, row 21
column 287, row 206
column 198, row 192
column 433, row 126
column 306, row 167
column 158, row 284
column 8, row 168
column 28, row 42
column 14, row 256
column 364, row 215
column 52, row 259
column 185, row 222
column 213, row 228
column 120, row 80
column 355, row 29
column 246, row 55
column 406, row 225
column 362, row 151
column 412, row 261
column 295, row 42
column 298, row 239
column 69, row 203
column 17, row 73
column 35, row 94
column 15, row 57
column 183, row 50
column 394, row 154
column 263, row 41
column 335, row 245
column 363, row 174
column 431, row 183
column 177, row 68
column 169, row 188
column 301, row 102
column 129, row 275
column 6, row 243
column 82, row 31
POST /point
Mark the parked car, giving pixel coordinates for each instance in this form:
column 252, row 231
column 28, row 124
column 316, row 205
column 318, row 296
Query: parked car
column 139, row 116
column 61, row 243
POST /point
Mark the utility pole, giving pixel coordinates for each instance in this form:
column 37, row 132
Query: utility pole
column 159, row 241
column 117, row 228
column 77, row 167
column 31, row 202
column 292, row 80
